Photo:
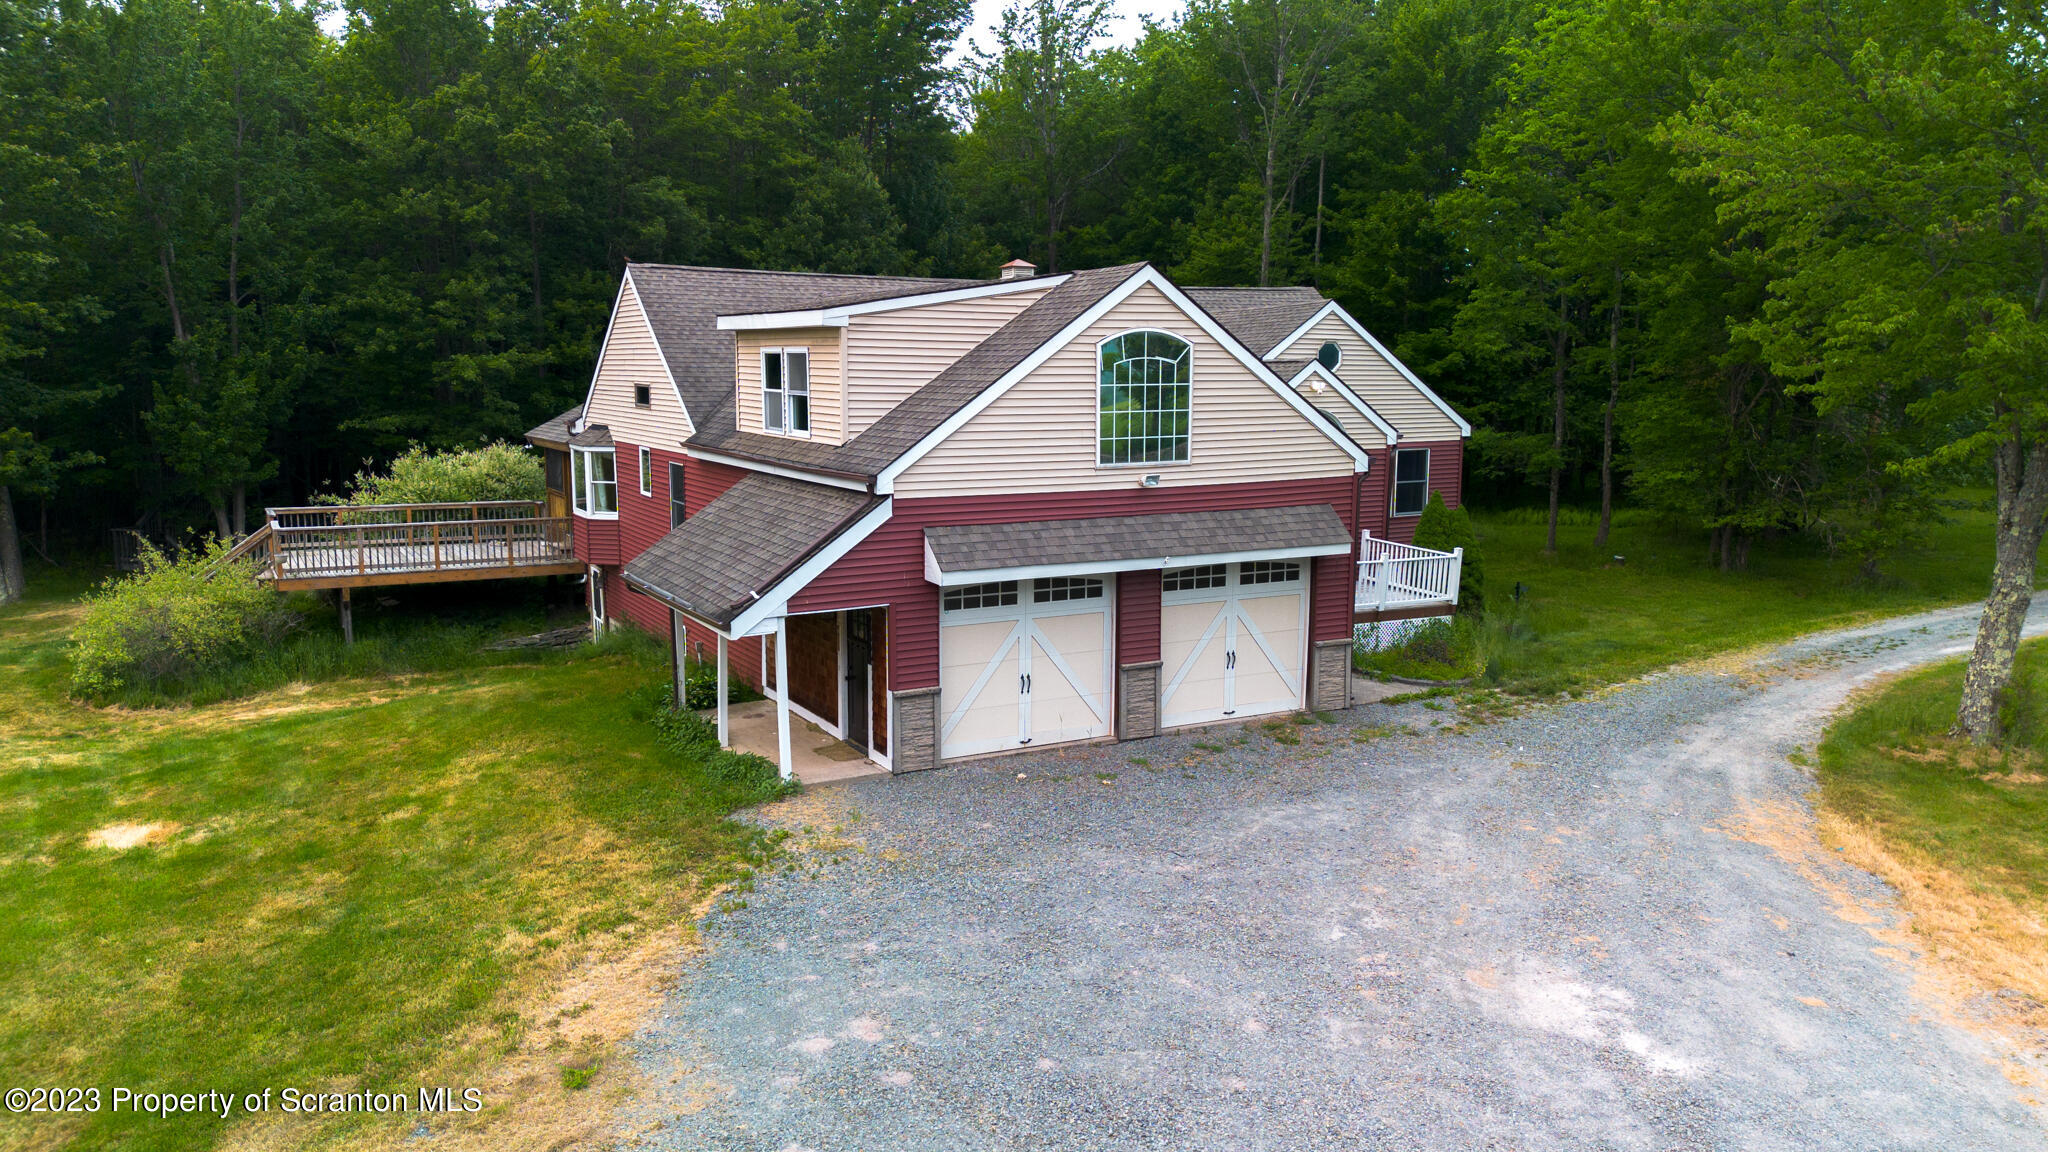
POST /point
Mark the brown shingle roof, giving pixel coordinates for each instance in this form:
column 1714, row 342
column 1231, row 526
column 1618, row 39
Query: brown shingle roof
column 555, row 431
column 1129, row 539
column 1259, row 317
column 725, row 557
column 683, row 305
column 930, row 406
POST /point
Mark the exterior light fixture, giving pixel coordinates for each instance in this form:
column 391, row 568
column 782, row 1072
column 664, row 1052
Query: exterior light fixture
column 1151, row 480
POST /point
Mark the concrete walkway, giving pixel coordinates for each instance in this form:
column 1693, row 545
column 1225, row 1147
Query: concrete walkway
column 820, row 757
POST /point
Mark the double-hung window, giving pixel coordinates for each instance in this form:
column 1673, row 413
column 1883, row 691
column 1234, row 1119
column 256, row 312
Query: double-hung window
column 786, row 391
column 1142, row 399
column 1411, row 481
column 676, row 508
column 596, row 486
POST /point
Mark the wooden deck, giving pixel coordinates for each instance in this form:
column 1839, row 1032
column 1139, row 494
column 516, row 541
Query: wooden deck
column 370, row 546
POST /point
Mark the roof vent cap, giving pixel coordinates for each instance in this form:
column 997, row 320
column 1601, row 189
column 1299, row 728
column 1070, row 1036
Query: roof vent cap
column 1019, row 270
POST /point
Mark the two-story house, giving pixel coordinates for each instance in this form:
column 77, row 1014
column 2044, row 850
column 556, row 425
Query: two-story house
column 949, row 518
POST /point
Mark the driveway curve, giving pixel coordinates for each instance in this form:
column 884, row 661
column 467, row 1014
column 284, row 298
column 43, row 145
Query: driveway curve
column 1598, row 924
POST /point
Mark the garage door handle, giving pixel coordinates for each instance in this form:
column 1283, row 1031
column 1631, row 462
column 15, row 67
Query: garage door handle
column 1230, row 659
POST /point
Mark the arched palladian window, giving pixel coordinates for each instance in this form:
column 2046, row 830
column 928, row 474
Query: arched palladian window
column 1143, row 399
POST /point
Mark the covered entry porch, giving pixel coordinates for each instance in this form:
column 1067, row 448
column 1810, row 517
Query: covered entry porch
column 824, row 674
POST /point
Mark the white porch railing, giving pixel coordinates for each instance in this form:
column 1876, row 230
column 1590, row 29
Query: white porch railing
column 1392, row 575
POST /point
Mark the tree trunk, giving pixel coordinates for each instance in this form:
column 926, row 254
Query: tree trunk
column 13, row 581
column 217, row 499
column 1607, row 418
column 241, row 505
column 2022, row 474
column 1557, row 426
column 1266, row 214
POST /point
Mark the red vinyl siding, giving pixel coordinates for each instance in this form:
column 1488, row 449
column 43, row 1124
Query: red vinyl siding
column 597, row 541
column 1137, row 617
column 1446, row 475
column 888, row 567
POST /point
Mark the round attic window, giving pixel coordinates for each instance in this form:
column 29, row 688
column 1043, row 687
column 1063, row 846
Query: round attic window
column 1329, row 355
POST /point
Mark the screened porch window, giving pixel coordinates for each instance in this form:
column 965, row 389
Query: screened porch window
column 596, row 486
column 1143, row 399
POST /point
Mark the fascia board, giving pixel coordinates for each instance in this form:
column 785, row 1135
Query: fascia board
column 1359, row 460
column 775, row 601
column 934, row 575
column 885, row 481
column 1332, row 308
column 1349, row 397
column 654, row 338
column 838, row 317
column 753, row 465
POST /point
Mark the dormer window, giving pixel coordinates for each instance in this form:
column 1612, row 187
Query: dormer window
column 786, row 391
column 1142, row 401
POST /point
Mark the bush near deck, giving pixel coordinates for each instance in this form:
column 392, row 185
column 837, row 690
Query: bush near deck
column 353, row 883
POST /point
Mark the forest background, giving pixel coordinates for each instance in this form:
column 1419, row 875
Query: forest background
column 1766, row 267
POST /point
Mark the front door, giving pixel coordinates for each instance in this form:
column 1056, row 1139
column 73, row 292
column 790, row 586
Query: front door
column 859, row 653
column 1232, row 641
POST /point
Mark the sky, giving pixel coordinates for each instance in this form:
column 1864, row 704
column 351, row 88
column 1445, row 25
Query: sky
column 1125, row 26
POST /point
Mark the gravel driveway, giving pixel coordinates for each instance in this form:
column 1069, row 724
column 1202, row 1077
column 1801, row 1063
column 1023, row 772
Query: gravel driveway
column 1601, row 924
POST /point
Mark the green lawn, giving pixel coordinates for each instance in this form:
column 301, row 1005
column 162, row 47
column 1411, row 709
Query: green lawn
column 1588, row 619
column 350, row 883
column 1959, row 832
column 1982, row 814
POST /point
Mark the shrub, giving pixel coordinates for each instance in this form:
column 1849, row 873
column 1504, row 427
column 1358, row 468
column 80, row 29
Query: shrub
column 418, row 476
column 1436, row 649
column 1444, row 528
column 686, row 732
column 180, row 616
column 700, row 687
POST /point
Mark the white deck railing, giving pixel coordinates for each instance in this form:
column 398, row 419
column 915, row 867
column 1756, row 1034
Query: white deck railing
column 1393, row 575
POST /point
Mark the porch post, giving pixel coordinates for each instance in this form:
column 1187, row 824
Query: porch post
column 782, row 697
column 724, row 724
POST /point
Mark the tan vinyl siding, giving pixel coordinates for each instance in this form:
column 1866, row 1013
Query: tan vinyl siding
column 1365, row 432
column 891, row 354
column 827, row 415
column 1377, row 382
column 631, row 357
column 1041, row 434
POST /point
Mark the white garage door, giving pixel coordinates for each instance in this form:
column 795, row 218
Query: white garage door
column 1023, row 662
column 1232, row 640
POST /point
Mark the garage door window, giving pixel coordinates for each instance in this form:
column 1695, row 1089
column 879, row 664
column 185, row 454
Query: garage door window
column 1200, row 576
column 1268, row 572
column 1065, row 588
column 1000, row 594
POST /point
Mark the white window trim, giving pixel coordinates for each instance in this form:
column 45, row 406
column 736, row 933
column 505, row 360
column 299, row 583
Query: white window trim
column 1234, row 585
column 810, row 414
column 590, row 486
column 1394, row 483
column 1153, row 464
column 646, row 471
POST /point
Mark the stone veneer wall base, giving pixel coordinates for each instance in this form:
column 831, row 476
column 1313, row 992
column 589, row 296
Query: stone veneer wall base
column 1137, row 703
column 1330, row 678
column 914, row 728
